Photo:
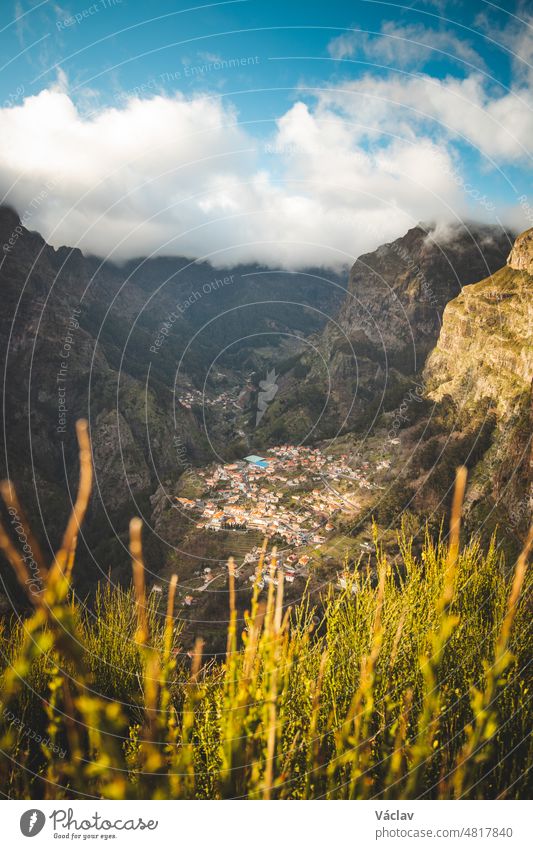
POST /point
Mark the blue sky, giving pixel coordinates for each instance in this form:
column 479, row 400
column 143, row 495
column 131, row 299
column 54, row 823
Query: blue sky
column 278, row 131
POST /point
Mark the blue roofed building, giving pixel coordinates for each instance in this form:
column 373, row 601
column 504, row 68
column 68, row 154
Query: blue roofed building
column 254, row 460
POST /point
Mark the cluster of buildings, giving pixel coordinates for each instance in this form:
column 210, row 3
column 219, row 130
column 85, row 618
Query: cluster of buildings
column 225, row 400
column 291, row 495
column 234, row 399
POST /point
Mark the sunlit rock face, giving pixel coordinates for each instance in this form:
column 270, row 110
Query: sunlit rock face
column 484, row 356
column 521, row 256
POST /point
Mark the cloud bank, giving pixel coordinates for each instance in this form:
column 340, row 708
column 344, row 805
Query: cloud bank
column 343, row 171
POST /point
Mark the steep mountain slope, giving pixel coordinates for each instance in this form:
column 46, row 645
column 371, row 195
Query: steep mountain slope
column 484, row 360
column 58, row 368
column 387, row 325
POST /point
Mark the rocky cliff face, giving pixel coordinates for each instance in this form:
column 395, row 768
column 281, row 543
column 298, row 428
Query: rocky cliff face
column 483, row 350
column 521, row 256
column 484, row 358
column 387, row 325
column 397, row 293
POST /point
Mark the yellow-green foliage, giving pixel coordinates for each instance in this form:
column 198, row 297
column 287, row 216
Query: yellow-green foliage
column 412, row 684
column 390, row 696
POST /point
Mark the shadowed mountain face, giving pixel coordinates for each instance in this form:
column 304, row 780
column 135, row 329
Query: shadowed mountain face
column 385, row 329
column 397, row 294
column 119, row 346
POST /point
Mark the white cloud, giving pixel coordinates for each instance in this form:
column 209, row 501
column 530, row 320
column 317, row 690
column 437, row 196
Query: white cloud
column 460, row 109
column 409, row 46
column 173, row 176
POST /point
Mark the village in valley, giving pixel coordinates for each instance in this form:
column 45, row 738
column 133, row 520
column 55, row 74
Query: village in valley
column 291, row 496
column 225, row 401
